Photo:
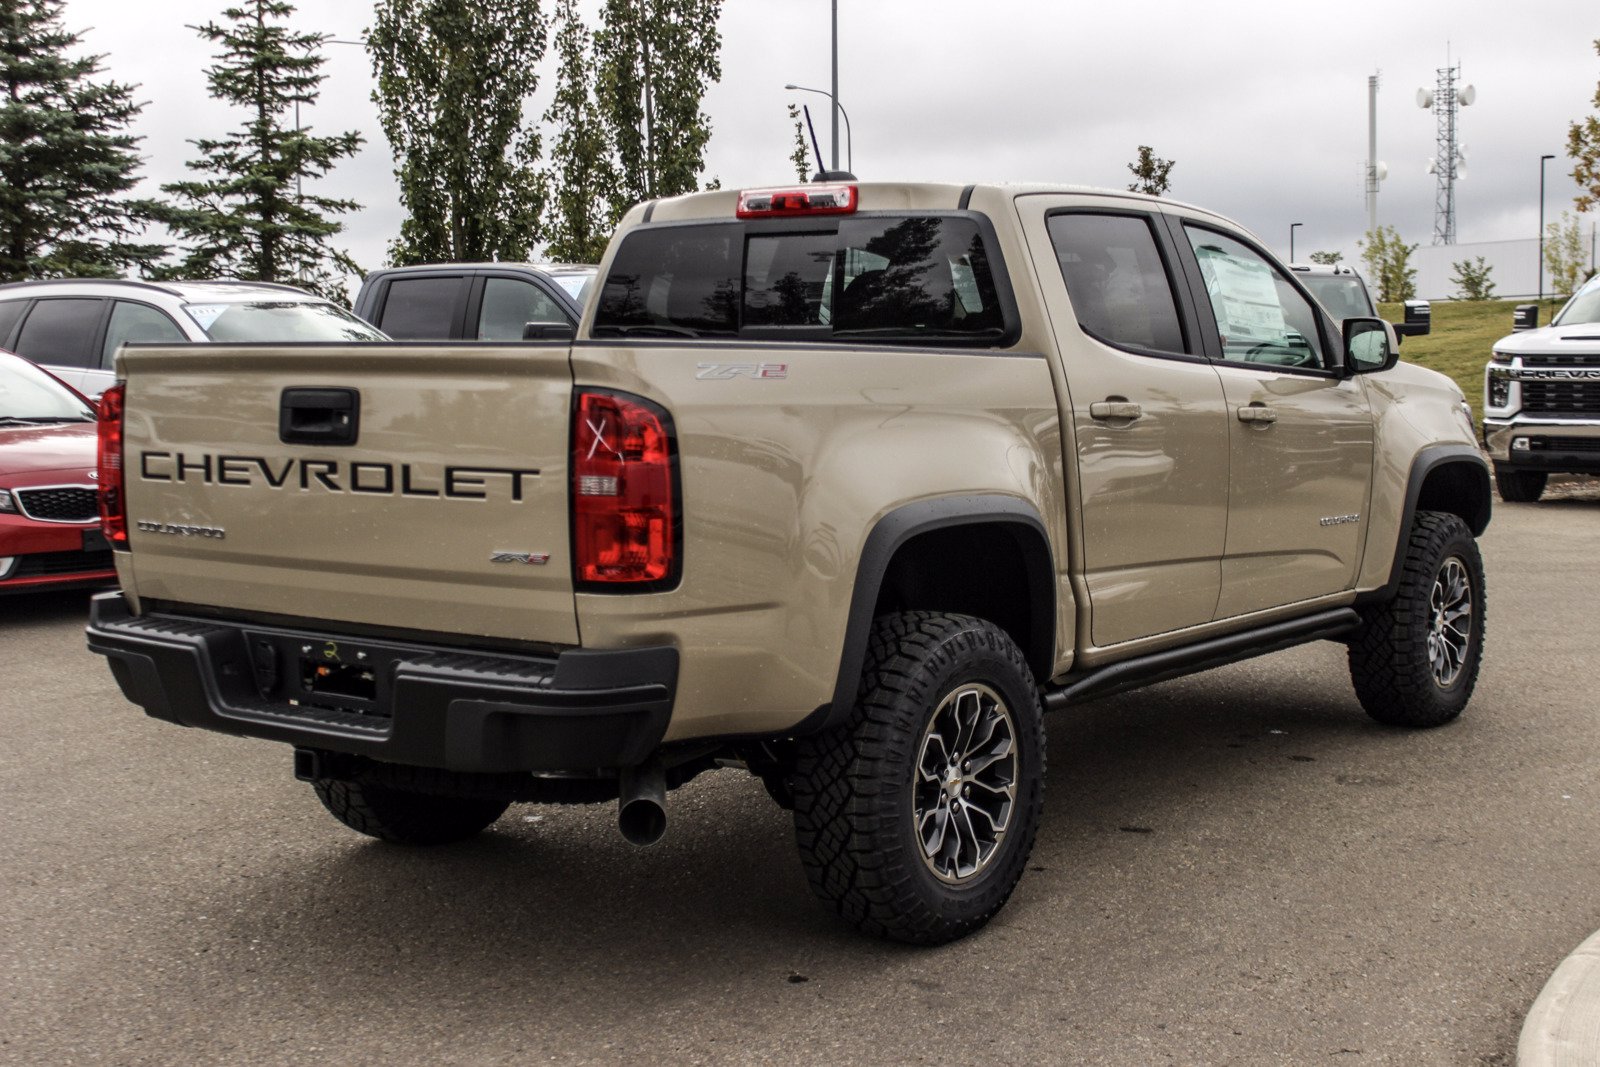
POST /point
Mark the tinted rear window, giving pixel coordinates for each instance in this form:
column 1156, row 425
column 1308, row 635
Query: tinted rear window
column 62, row 332
column 904, row 279
column 422, row 309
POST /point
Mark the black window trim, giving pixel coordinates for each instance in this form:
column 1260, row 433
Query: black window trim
column 1177, row 281
column 1211, row 333
column 1005, row 295
column 95, row 345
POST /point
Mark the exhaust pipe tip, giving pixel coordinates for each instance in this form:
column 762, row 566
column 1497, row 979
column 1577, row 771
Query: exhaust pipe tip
column 642, row 803
column 642, row 821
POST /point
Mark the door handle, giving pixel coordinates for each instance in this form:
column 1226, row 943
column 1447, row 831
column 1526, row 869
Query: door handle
column 1115, row 409
column 1257, row 413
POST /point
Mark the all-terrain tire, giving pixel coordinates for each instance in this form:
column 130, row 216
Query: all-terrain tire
column 1415, row 661
column 404, row 817
column 858, row 786
column 1519, row 487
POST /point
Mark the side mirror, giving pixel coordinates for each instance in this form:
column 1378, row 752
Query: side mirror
column 1370, row 345
column 1525, row 317
column 1419, row 319
column 548, row 331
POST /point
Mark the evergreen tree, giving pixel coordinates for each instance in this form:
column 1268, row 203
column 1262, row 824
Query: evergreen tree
column 452, row 79
column 1472, row 280
column 66, row 156
column 656, row 59
column 252, row 220
column 580, row 185
column 1150, row 172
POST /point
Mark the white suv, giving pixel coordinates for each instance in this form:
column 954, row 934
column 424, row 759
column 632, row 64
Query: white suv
column 72, row 328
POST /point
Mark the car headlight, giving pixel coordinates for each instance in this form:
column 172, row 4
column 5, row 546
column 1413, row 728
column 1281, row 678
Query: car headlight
column 7, row 504
column 1464, row 409
column 1497, row 394
column 1497, row 356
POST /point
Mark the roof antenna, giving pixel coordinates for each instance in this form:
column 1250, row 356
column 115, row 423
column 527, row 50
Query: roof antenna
column 823, row 174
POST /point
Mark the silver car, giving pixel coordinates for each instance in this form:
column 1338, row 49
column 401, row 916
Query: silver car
column 73, row 328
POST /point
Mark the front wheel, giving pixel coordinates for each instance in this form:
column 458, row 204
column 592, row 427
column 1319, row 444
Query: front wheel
column 1415, row 662
column 1519, row 487
column 916, row 816
column 405, row 817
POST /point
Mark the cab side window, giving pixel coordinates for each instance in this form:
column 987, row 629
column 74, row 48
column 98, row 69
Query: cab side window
column 136, row 322
column 61, row 332
column 509, row 305
column 1116, row 281
column 1261, row 318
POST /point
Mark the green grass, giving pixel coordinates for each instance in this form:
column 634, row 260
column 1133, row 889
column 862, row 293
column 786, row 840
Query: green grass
column 1463, row 333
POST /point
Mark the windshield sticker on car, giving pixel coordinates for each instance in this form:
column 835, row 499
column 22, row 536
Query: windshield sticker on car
column 205, row 314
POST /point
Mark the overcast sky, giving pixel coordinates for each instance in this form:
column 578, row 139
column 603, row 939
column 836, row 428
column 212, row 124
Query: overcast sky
column 1263, row 105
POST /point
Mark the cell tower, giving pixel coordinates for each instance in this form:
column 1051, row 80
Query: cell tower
column 1449, row 159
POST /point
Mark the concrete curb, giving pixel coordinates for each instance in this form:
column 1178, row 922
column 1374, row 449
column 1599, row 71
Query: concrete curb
column 1563, row 1026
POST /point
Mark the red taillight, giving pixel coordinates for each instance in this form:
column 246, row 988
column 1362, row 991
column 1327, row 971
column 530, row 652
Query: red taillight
column 113, row 516
column 624, row 504
column 800, row 200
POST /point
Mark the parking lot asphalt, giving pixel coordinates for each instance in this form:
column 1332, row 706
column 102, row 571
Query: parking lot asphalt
column 1237, row 867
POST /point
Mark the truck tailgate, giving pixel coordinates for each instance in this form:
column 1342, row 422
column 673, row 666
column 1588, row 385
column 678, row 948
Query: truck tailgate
column 448, row 509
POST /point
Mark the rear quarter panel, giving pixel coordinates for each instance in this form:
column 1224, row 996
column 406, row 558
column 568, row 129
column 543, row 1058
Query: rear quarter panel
column 783, row 479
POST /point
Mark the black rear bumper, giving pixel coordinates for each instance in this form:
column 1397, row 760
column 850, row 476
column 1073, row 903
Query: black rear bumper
column 413, row 704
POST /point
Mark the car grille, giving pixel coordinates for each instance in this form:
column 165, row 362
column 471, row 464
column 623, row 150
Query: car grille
column 1568, row 444
column 1562, row 398
column 62, row 503
column 1561, row 361
column 50, row 564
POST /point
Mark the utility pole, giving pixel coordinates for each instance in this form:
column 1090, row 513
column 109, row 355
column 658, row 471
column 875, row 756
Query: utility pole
column 1542, row 161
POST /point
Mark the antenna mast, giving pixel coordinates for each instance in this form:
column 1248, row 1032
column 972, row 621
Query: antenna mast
column 1449, row 160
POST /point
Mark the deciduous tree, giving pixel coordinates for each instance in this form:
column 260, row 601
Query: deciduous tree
column 250, row 217
column 1583, row 146
column 66, row 156
column 656, row 59
column 1388, row 261
column 1150, row 173
column 452, row 81
column 1564, row 255
column 1327, row 259
column 580, row 184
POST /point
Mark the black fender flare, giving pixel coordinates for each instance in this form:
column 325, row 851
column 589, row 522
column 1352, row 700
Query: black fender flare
column 908, row 521
column 1424, row 464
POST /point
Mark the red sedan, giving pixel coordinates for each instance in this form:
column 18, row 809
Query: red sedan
column 49, row 516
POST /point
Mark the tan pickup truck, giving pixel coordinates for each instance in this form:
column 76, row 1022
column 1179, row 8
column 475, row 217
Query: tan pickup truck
column 843, row 483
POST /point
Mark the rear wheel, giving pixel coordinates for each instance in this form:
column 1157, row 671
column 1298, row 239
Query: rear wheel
column 404, row 817
column 1415, row 662
column 916, row 816
column 1518, row 487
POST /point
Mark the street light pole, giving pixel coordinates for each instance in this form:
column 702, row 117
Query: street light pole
column 850, row 149
column 1292, row 227
column 834, row 95
column 1542, row 161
